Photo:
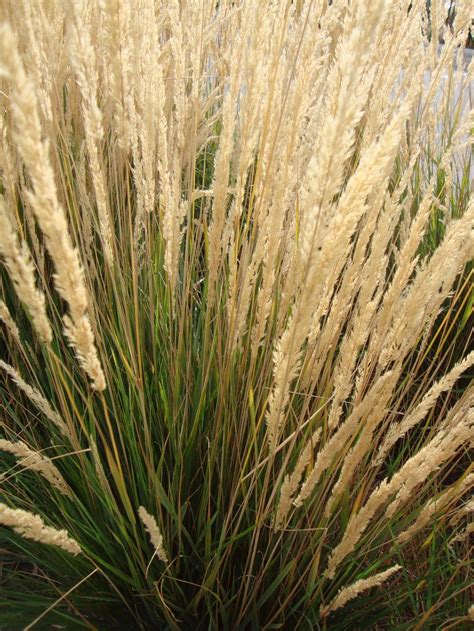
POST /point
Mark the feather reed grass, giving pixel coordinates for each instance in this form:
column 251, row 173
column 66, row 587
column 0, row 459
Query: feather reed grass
column 245, row 231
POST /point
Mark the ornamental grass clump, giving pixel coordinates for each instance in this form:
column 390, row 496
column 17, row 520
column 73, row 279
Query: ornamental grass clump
column 236, row 292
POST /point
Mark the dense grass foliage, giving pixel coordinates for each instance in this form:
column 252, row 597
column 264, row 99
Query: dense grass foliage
column 236, row 305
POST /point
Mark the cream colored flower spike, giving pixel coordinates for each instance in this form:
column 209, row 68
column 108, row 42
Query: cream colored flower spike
column 352, row 591
column 153, row 530
column 32, row 527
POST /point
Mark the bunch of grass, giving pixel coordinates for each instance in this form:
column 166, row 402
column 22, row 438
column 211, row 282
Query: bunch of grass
column 249, row 249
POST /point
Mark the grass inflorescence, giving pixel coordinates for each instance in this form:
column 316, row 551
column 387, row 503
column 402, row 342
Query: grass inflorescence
column 236, row 304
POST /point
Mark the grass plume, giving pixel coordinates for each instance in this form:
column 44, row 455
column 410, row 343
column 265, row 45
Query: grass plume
column 245, row 232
